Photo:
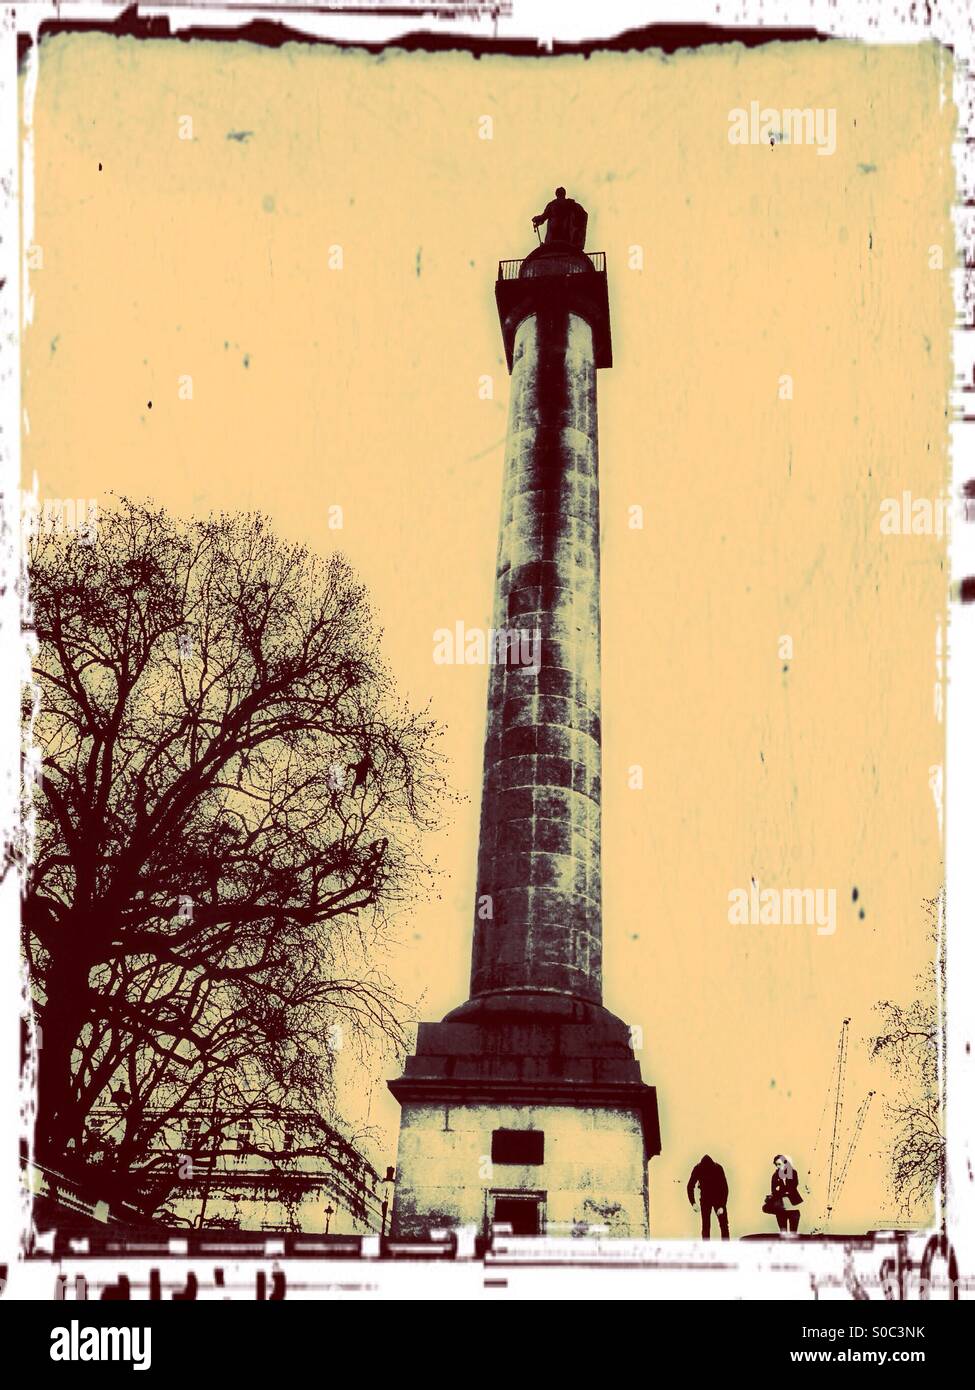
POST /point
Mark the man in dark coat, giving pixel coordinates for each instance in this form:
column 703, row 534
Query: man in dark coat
column 709, row 1177
column 566, row 220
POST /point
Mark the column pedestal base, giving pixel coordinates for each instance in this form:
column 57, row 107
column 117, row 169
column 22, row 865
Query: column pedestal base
column 525, row 1061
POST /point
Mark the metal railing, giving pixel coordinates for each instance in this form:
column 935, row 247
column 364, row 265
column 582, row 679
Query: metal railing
column 511, row 270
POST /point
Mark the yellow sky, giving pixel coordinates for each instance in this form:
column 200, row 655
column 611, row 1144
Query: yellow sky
column 359, row 387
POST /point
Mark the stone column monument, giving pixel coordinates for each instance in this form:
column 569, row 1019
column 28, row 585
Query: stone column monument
column 525, row 1107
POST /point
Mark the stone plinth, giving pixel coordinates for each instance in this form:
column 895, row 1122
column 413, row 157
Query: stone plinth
column 594, row 1175
column 561, row 1067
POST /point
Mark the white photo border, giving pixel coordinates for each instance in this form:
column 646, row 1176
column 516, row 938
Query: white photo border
column 753, row 1269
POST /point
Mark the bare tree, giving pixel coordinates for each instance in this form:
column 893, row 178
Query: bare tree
column 911, row 1042
column 231, row 811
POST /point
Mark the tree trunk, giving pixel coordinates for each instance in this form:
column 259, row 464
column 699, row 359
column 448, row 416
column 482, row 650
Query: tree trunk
column 67, row 1007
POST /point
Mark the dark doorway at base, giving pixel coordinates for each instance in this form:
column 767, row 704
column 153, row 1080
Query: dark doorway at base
column 522, row 1214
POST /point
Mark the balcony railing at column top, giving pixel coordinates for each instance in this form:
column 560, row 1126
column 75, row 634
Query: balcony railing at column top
column 511, row 270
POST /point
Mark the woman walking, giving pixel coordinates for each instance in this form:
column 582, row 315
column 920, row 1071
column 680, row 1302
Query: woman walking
column 785, row 1197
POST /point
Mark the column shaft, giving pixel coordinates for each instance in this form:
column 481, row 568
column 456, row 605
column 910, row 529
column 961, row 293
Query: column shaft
column 539, row 857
